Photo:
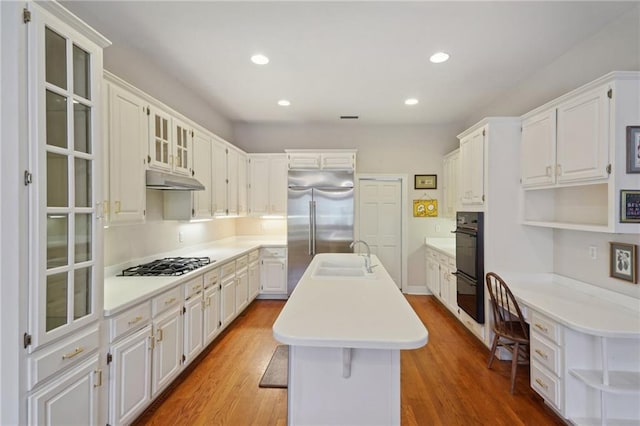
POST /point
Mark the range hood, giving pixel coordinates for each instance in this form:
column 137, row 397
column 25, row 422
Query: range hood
column 167, row 181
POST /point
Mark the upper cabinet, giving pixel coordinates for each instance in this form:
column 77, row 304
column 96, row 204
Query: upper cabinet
column 568, row 142
column 451, row 171
column 472, row 159
column 202, row 171
column 127, row 130
column 267, row 184
column 573, row 156
column 170, row 143
column 331, row 159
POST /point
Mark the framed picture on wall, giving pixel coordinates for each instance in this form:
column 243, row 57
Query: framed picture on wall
column 425, row 182
column 633, row 149
column 623, row 262
column 629, row 206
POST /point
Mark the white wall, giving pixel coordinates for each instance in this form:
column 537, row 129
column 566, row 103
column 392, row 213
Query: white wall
column 401, row 149
column 132, row 243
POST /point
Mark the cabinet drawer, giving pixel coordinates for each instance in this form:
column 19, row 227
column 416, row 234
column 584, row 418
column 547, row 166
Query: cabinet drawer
column 432, row 254
column 130, row 320
column 44, row 363
column 254, row 256
column 228, row 269
column 274, row 252
column 546, row 384
column 166, row 300
column 194, row 286
column 546, row 327
column 212, row 278
column 241, row 263
column 546, row 354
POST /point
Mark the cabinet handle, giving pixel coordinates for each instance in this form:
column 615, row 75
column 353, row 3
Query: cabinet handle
column 542, row 354
column 542, row 384
column 160, row 335
column 75, row 352
column 99, row 380
column 117, row 207
column 541, row 327
column 169, row 301
column 135, row 320
column 196, row 287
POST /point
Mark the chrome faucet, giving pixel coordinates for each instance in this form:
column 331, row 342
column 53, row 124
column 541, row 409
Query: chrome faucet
column 367, row 259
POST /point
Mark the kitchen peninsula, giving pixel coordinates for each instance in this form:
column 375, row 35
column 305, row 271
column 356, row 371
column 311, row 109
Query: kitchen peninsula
column 345, row 327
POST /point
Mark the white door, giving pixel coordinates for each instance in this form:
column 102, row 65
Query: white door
column 193, row 321
column 380, row 222
column 167, row 353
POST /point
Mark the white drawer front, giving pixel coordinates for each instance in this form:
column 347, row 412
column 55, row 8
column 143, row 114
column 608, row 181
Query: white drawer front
column 193, row 287
column 166, row 300
column 254, row 256
column 46, row 362
column 546, row 354
column 212, row 278
column 546, row 327
column 547, row 385
column 432, row 253
column 274, row 252
column 228, row 269
column 242, row 263
column 132, row 319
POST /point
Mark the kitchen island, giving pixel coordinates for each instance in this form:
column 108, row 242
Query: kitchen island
column 345, row 328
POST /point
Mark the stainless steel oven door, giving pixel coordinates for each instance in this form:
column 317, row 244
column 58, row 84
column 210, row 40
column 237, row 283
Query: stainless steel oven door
column 466, row 253
column 470, row 296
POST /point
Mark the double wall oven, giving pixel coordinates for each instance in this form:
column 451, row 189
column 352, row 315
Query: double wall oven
column 470, row 263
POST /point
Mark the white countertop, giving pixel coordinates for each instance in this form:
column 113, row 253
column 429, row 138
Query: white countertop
column 577, row 305
column 444, row 245
column 121, row 293
column 366, row 313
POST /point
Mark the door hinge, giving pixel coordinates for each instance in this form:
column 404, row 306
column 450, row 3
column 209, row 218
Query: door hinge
column 148, row 159
column 610, row 93
column 482, row 197
column 148, row 111
column 184, row 310
column 109, row 358
column 219, row 323
column 484, row 132
column 28, row 178
column 184, row 358
column 608, row 168
column 193, row 212
column 26, row 15
column 26, row 340
column 226, row 150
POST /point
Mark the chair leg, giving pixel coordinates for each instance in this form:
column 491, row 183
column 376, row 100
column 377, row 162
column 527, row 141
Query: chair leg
column 514, row 366
column 493, row 350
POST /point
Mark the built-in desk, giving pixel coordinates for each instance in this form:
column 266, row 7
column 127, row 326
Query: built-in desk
column 585, row 348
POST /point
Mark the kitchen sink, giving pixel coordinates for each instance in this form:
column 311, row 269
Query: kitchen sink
column 342, row 266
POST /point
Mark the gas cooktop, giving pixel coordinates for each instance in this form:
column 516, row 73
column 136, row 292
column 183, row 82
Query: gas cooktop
column 167, row 266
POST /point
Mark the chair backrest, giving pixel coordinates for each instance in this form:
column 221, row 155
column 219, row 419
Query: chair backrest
column 508, row 318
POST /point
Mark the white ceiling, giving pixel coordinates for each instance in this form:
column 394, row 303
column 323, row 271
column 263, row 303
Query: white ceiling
column 347, row 58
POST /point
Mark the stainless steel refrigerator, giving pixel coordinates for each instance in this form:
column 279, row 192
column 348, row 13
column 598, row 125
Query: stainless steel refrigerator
column 319, row 218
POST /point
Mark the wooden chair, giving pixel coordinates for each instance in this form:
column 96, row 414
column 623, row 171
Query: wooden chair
column 511, row 330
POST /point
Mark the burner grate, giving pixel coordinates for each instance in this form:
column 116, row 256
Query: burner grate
column 167, row 266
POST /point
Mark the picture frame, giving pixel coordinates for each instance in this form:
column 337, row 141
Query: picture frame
column 633, row 149
column 629, row 206
column 425, row 208
column 425, row 182
column 623, row 262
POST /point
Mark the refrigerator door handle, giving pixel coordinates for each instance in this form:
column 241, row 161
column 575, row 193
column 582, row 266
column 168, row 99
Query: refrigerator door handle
column 313, row 228
column 310, row 228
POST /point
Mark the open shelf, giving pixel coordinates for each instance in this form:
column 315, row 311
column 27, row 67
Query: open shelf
column 621, row 382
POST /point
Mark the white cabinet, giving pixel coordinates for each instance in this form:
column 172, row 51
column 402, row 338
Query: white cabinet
column 242, row 283
column 440, row 280
column 254, row 274
column 573, row 156
column 546, row 340
column 232, row 181
column 219, row 178
column 127, row 128
column 433, row 274
column 130, row 375
column 202, row 171
column 70, row 399
column 267, row 184
column 170, row 142
column 472, row 148
column 168, row 343
column 211, row 315
column 451, row 170
column 330, row 159
column 273, row 271
column 243, row 185
column 228, row 293
column 227, row 178
column 193, row 319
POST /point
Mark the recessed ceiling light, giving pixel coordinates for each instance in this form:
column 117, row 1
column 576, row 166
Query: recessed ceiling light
column 259, row 59
column 411, row 101
column 439, row 57
column 284, row 102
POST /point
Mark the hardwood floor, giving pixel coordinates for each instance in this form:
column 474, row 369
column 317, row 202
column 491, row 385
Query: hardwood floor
column 444, row 383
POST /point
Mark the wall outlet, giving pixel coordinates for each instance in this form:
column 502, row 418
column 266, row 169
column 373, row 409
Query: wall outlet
column 180, row 236
column 593, row 252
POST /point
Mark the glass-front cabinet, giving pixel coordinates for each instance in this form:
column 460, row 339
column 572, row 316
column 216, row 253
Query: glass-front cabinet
column 64, row 177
